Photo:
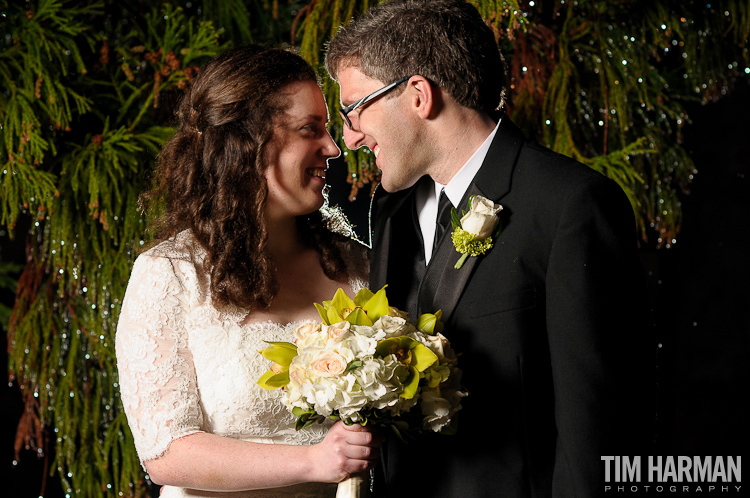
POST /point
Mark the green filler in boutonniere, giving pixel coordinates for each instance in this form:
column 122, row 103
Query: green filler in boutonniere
column 474, row 233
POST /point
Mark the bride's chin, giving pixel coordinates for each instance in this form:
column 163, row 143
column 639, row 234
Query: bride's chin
column 319, row 204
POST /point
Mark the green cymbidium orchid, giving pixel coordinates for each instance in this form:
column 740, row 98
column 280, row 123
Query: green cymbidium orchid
column 430, row 323
column 281, row 354
column 364, row 309
column 415, row 356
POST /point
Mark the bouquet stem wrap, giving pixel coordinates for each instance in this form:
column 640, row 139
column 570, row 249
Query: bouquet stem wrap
column 354, row 486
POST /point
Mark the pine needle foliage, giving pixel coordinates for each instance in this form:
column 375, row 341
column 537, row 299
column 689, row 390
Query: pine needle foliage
column 86, row 105
column 87, row 92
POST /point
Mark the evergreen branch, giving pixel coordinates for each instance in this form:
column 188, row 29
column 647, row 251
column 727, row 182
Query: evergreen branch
column 25, row 188
column 7, row 282
column 234, row 17
column 617, row 166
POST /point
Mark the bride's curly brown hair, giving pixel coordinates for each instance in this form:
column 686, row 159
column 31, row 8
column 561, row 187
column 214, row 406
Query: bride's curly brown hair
column 209, row 177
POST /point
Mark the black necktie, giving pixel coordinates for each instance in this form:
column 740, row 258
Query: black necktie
column 443, row 219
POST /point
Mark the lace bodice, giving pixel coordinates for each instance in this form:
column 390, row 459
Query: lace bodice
column 186, row 367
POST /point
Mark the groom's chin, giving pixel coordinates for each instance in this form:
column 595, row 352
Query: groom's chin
column 391, row 186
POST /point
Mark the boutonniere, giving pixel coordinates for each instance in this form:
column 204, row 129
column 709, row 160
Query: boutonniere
column 475, row 232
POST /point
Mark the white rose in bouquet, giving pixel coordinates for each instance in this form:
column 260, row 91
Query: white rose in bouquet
column 393, row 326
column 438, row 343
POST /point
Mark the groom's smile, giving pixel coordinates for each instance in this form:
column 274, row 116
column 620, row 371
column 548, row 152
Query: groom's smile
column 385, row 126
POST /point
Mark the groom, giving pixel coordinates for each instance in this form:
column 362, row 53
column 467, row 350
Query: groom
column 550, row 323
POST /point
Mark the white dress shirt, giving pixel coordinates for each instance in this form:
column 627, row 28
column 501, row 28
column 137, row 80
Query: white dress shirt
column 428, row 193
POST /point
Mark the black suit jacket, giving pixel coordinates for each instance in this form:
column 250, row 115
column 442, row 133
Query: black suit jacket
column 551, row 326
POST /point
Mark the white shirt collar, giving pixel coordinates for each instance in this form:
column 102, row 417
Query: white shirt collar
column 427, row 198
column 459, row 184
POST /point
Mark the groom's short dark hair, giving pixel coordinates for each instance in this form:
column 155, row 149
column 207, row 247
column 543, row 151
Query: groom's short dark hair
column 446, row 41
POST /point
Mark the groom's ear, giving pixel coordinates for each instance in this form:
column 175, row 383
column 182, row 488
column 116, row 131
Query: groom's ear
column 422, row 96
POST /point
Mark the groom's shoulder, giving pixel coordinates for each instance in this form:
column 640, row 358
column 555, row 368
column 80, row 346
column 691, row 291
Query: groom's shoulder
column 541, row 163
column 542, row 176
column 549, row 160
column 536, row 161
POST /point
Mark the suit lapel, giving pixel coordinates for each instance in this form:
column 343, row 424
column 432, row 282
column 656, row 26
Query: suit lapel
column 386, row 210
column 443, row 284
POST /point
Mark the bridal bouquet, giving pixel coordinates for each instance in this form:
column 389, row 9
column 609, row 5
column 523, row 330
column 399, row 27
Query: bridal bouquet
column 367, row 364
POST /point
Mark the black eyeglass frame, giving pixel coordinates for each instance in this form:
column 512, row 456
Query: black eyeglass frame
column 344, row 111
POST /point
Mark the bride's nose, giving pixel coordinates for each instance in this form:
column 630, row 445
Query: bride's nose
column 330, row 149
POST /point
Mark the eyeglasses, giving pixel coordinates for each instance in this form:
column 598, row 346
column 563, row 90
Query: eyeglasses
column 387, row 88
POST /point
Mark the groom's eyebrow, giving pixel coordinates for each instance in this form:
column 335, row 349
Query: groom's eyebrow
column 346, row 102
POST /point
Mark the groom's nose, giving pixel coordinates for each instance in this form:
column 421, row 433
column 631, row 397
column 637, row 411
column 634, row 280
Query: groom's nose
column 353, row 138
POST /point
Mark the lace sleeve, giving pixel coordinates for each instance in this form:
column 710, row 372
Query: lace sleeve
column 155, row 364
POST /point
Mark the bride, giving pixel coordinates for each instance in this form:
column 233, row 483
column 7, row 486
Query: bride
column 242, row 254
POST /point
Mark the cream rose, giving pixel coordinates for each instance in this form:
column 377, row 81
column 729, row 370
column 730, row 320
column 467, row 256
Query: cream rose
column 328, row 363
column 481, row 220
column 337, row 330
column 305, row 331
column 297, row 374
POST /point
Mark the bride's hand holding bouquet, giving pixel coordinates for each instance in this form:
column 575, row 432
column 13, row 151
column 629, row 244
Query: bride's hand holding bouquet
column 347, row 450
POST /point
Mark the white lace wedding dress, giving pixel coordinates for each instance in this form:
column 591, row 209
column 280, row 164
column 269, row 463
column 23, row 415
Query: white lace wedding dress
column 185, row 367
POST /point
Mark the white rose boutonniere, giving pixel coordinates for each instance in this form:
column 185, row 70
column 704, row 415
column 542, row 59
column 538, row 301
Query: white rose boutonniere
column 475, row 232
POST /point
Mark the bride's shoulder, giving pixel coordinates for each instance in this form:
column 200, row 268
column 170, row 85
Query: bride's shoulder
column 177, row 261
column 181, row 255
column 181, row 247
